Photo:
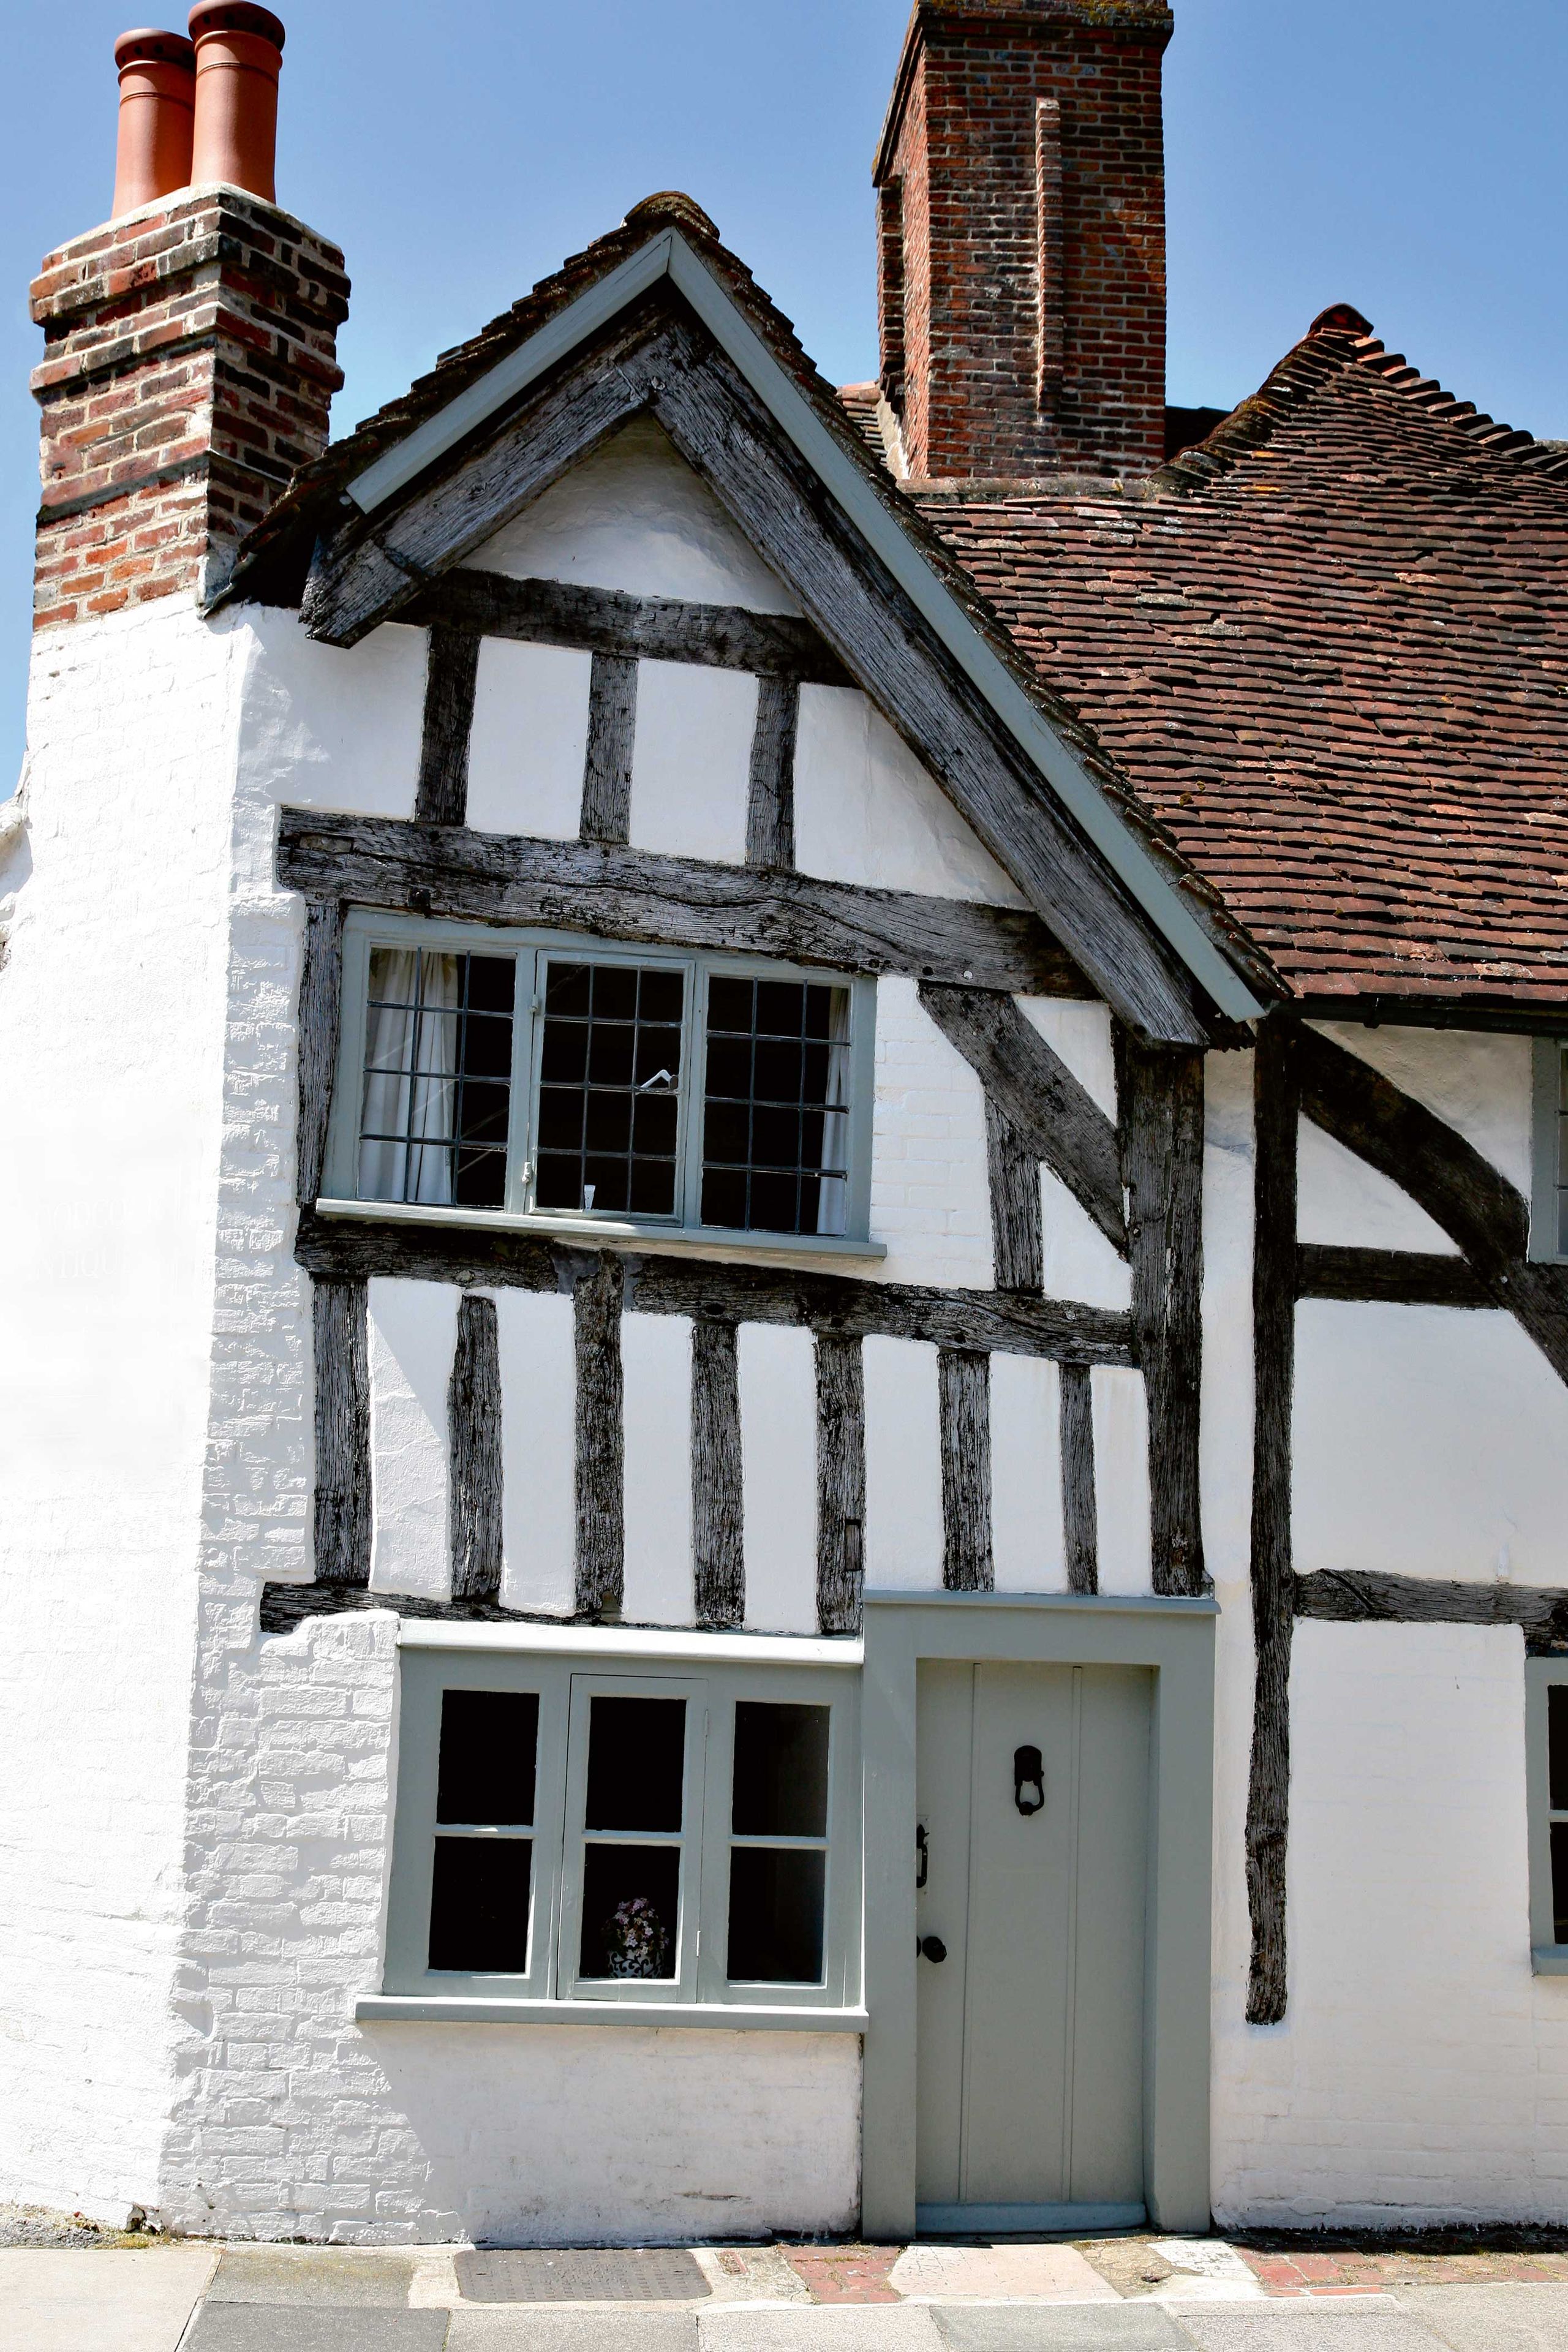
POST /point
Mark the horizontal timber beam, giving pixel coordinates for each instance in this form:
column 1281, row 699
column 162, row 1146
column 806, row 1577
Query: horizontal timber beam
column 612, row 892
column 1394, row 1278
column 1361, row 1596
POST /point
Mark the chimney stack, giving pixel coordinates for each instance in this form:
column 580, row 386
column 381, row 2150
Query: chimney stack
column 190, row 354
column 1021, row 238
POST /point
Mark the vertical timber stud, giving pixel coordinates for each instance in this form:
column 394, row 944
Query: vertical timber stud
column 321, row 999
column 1160, row 1096
column 770, row 800
column 340, row 1315
column 1080, row 1516
column 1017, row 1236
column 963, row 1385
column 1051, row 252
column 1277, row 1110
column 601, row 1442
column 473, row 1413
column 451, row 671
column 612, row 735
column 718, row 1555
column 840, row 1482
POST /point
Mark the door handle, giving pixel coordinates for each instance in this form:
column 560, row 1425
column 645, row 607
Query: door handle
column 922, row 1857
column 930, row 1948
column 1028, row 1779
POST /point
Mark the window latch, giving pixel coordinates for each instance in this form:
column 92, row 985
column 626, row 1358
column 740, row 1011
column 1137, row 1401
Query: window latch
column 664, row 1079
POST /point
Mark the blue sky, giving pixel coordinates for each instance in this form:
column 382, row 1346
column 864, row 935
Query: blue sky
column 1404, row 155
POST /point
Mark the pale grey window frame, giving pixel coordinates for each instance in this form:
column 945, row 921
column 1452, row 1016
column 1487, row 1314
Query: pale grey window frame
column 1548, row 1957
column 551, row 1988
column 1549, row 1189
column 533, row 947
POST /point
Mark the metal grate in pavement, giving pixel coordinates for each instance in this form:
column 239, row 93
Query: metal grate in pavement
column 581, row 2274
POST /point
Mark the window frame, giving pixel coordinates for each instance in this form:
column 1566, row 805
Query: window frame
column 533, row 948
column 1549, row 1191
column 1541, row 1675
column 566, row 1684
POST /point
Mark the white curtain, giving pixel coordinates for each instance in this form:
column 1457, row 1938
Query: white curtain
column 833, row 1194
column 410, row 1082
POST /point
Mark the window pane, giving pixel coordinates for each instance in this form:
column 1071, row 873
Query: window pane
column 1557, row 1746
column 610, row 1084
column 437, row 1078
column 1560, row 1882
column 780, row 1770
column 631, row 1910
column 478, row 1905
column 488, row 1743
column 776, row 1098
column 636, row 1753
column 776, row 1916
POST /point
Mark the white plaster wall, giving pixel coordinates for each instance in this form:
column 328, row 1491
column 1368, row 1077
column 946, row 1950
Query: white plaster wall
column 329, row 728
column 1478, row 1083
column 1341, row 1199
column 529, row 742
column 413, row 1335
column 635, row 516
column 930, row 1199
column 778, row 1477
column 691, row 760
column 538, row 1442
column 903, row 1544
column 655, row 1371
column 866, row 810
column 1028, row 1550
column 1121, row 1478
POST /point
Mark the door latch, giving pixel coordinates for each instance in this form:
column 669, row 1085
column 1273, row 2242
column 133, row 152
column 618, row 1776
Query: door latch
column 922, row 1857
column 1028, row 1779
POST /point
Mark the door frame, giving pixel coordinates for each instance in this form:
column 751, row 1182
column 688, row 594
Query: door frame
column 1175, row 1639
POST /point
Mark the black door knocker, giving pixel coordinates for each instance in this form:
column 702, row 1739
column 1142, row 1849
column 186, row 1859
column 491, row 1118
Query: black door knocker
column 1028, row 1779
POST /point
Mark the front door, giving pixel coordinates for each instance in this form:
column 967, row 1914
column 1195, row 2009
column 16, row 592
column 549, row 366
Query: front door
column 1032, row 1795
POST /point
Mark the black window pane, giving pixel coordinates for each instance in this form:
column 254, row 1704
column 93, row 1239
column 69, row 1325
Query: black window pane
column 1557, row 1746
column 560, row 1183
column 438, row 1077
column 565, row 1055
column 636, row 1758
column 610, row 1089
column 480, row 1179
column 781, row 1770
column 660, row 996
column 609, row 1122
column 727, row 1135
column 766, row 1109
column 631, row 1910
column 1560, row 1882
column 569, row 988
column 775, row 1137
column 780, row 1008
column 484, row 1113
column 774, row 1204
column 653, row 1130
column 776, row 1916
column 478, row 1905
column 729, row 1004
column 606, row 1185
column 492, row 984
column 729, row 1067
column 652, row 1188
column 561, row 1118
column 724, row 1197
column 776, row 1078
column 615, row 993
column 488, row 1744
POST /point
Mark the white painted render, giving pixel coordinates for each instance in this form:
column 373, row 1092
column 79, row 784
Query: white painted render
column 777, row 1372
column 529, row 740
column 329, row 728
column 413, row 1334
column 1121, row 1478
column 903, row 1467
column 691, row 760
column 930, row 1201
column 1029, row 1553
column 538, row 1439
column 655, row 1369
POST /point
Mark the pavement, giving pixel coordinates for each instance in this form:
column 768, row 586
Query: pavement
column 1134, row 2293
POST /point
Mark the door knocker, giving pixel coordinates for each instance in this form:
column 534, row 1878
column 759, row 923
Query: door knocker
column 1028, row 1779
column 922, row 1858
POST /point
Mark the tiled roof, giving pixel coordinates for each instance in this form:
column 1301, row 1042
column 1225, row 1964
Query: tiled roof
column 1328, row 647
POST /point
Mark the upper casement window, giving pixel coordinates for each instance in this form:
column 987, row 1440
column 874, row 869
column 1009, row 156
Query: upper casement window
column 1548, row 1208
column 573, row 1084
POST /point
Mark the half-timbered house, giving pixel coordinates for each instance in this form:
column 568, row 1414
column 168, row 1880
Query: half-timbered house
column 785, row 1320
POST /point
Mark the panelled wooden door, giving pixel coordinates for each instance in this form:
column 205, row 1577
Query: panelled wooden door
column 1031, row 1921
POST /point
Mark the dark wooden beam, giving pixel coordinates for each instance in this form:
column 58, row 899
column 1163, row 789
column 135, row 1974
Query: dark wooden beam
column 1391, row 1277
column 717, row 1524
column 474, row 1417
column 1160, row 1090
column 612, row 737
column 770, row 798
column 451, row 669
column 993, row 1321
column 644, row 628
column 1018, row 1235
column 963, row 1388
column 1361, row 1596
column 340, row 1317
column 632, row 894
column 840, row 1483
column 1080, row 1510
column 321, row 1003
column 1058, row 1119
column 1277, row 1115
column 601, row 1441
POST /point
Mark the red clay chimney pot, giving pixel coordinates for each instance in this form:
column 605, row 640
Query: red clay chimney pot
column 157, row 97
column 239, row 52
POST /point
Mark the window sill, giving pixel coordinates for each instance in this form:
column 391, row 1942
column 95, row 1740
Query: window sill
column 603, row 1233
column 1550, row 1959
column 435, row 2008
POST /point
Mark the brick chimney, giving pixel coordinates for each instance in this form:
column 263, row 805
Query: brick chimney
column 1021, row 238
column 189, row 364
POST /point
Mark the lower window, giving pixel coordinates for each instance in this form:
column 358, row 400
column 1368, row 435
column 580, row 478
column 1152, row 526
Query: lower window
column 1546, row 1735
column 563, row 1834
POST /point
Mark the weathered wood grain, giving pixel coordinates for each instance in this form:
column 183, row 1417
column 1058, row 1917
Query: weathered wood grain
column 644, row 628
column 451, row 670
column 840, row 1483
column 321, row 1013
column 1080, row 1510
column 284, row 1606
column 770, row 798
column 612, row 737
column 964, row 1390
column 1160, row 1093
column 995, row 1321
column 1018, row 1233
column 1276, row 1098
column 632, row 894
column 717, row 1523
column 340, row 1319
column 1393, row 1277
column 601, row 1439
column 1053, row 1114
column 1360, row 1596
column 474, row 1421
